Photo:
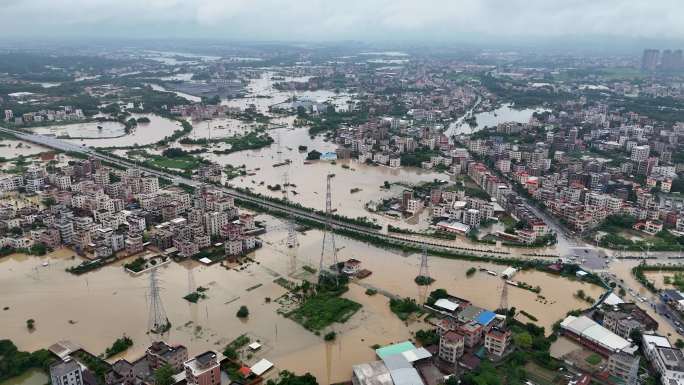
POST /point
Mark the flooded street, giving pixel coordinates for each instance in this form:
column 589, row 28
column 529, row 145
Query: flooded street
column 111, row 302
column 623, row 270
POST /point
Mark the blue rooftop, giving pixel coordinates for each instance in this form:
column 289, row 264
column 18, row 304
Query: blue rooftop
column 485, row 317
column 330, row 155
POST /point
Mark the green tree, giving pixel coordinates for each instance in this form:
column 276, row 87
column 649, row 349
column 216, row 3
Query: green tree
column 330, row 336
column 439, row 294
column 289, row 378
column 523, row 340
column 230, row 353
column 164, row 375
column 38, row 249
column 679, row 344
column 313, row 155
column 49, row 201
column 243, row 312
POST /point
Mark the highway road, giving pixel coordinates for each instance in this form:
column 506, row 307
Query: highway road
column 396, row 239
column 566, row 241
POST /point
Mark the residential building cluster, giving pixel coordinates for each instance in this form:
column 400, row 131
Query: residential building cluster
column 67, row 113
column 102, row 212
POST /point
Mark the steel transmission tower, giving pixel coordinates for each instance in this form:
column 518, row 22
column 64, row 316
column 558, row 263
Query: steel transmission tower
column 191, row 281
column 424, row 272
column 291, row 231
column 328, row 234
column 503, row 304
column 423, row 279
column 158, row 322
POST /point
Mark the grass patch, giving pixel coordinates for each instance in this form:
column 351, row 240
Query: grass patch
column 183, row 163
column 324, row 309
column 593, row 359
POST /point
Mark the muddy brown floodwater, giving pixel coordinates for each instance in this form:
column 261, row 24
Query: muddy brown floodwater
column 96, row 308
column 309, row 178
column 14, row 148
column 113, row 133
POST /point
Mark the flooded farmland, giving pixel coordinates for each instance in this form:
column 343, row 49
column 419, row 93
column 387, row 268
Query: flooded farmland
column 112, row 302
column 10, row 149
column 113, row 134
column 308, row 178
column 505, row 113
column 262, row 94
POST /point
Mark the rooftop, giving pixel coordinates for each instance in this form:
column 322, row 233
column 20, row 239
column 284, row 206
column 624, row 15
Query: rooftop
column 61, row 368
column 202, row 362
column 672, row 358
column 372, row 373
column 389, row 350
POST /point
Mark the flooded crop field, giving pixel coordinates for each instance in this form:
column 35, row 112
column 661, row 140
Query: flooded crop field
column 10, row 149
column 113, row 134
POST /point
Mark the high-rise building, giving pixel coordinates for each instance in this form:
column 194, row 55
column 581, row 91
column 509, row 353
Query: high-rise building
column 671, row 60
column 649, row 61
column 640, row 153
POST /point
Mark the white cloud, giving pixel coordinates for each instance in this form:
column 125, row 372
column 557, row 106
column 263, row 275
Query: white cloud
column 348, row 19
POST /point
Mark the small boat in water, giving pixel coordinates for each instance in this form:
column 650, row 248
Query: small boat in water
column 45, row 264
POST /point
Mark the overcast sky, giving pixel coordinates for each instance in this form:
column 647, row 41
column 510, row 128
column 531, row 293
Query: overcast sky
column 320, row 20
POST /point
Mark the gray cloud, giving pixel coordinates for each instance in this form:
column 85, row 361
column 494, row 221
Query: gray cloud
column 349, row 19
